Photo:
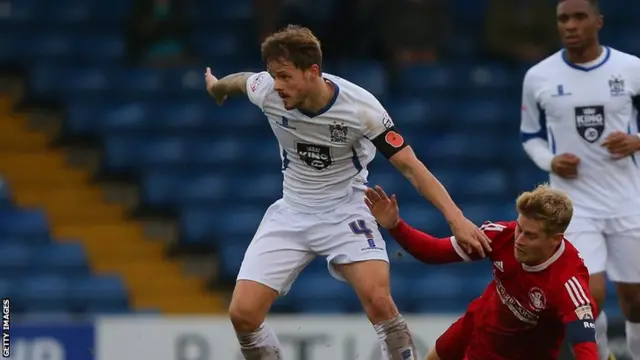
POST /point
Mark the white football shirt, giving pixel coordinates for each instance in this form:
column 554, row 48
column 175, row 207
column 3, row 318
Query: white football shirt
column 571, row 108
column 324, row 155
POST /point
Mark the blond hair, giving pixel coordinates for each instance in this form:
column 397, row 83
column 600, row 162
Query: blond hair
column 294, row 43
column 551, row 206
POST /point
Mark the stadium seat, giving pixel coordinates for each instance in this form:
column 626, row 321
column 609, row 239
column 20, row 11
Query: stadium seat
column 98, row 293
column 66, row 259
column 25, row 223
column 44, row 294
column 426, row 79
column 17, row 259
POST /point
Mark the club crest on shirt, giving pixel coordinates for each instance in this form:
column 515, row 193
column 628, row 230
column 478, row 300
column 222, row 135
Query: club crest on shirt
column 616, row 85
column 537, row 299
column 338, row 133
column 590, row 122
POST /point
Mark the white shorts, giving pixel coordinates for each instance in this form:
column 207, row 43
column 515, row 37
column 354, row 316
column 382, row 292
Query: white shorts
column 287, row 240
column 609, row 245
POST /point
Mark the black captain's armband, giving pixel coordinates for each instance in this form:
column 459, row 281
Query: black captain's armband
column 389, row 142
column 581, row 331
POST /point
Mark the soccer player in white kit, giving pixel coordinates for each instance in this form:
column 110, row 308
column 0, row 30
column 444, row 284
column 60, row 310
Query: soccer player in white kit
column 328, row 130
column 580, row 122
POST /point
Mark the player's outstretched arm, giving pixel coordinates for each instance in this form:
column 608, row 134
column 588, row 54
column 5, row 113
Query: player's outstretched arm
column 379, row 128
column 420, row 245
column 230, row 85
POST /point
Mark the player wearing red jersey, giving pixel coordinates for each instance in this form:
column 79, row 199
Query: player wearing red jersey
column 539, row 292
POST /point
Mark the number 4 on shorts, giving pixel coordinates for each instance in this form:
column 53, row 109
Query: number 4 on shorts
column 359, row 227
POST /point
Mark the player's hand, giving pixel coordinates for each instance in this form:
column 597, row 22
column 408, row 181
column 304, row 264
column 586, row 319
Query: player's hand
column 384, row 208
column 212, row 89
column 565, row 165
column 470, row 237
column 621, row 144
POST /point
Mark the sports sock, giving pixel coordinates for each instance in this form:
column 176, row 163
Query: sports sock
column 261, row 344
column 395, row 339
column 633, row 339
column 601, row 336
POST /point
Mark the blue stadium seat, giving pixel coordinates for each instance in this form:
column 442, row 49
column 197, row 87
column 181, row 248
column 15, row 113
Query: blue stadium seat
column 161, row 188
column 164, row 151
column 29, row 222
column 138, row 81
column 96, row 48
column 6, row 286
column 217, row 150
column 17, row 259
column 370, row 75
column 121, row 152
column 44, row 294
column 484, row 78
column 99, row 293
column 438, row 291
column 82, row 81
column 230, row 258
column 491, row 183
column 190, row 116
column 66, row 259
column 219, row 45
column 5, row 195
column 417, row 112
column 267, row 187
column 321, row 293
column 426, row 79
column 207, row 188
column 485, row 113
column 122, row 118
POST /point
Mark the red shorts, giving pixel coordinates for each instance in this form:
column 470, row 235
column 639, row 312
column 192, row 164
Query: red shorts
column 452, row 345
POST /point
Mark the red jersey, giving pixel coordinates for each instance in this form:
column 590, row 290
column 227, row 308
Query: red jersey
column 526, row 310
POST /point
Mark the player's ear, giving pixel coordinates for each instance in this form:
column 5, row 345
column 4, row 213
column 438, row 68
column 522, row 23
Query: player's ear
column 600, row 21
column 557, row 239
column 314, row 71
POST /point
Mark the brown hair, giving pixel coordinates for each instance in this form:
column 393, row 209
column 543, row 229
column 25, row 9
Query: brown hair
column 551, row 206
column 293, row 43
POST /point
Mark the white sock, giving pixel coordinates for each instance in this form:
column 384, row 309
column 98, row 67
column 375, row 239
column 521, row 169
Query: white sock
column 601, row 336
column 633, row 339
column 396, row 341
column 261, row 344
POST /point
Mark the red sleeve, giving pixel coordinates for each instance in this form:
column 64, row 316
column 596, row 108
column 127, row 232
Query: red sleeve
column 576, row 309
column 427, row 248
column 586, row 351
column 432, row 250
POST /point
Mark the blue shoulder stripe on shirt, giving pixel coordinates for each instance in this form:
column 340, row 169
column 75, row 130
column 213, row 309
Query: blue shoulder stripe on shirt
column 542, row 133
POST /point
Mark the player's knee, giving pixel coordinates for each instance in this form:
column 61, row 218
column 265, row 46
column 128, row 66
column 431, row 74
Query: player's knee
column 630, row 303
column 249, row 305
column 379, row 305
column 244, row 317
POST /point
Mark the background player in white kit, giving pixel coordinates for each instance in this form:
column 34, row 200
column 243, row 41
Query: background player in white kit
column 328, row 130
column 580, row 122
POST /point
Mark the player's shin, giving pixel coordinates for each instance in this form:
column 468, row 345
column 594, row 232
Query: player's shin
column 396, row 339
column 261, row 344
column 633, row 339
column 601, row 336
